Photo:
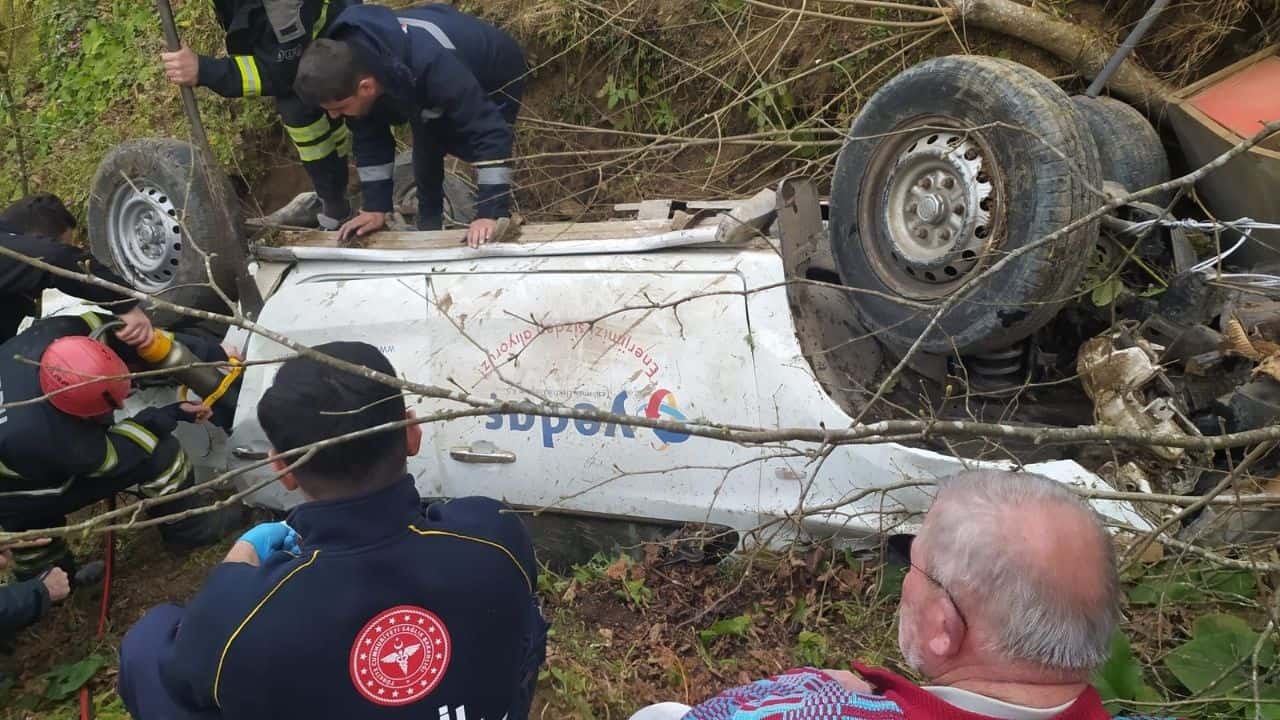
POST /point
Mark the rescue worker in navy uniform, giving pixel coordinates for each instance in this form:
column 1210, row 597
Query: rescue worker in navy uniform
column 265, row 39
column 363, row 603
column 22, row 603
column 66, row 452
column 454, row 78
column 39, row 226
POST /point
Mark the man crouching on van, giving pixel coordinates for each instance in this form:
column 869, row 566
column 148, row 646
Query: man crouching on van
column 363, row 604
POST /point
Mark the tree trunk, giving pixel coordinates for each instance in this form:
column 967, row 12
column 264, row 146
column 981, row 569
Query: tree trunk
column 1077, row 46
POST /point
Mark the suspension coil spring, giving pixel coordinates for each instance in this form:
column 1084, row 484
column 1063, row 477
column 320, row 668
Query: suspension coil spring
column 1011, row 362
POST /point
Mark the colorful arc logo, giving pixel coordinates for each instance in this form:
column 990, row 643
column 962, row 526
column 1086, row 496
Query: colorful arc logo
column 663, row 403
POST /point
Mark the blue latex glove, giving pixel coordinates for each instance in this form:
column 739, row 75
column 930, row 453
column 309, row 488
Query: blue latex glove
column 268, row 538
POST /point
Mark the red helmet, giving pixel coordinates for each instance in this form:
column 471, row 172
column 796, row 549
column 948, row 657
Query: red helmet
column 97, row 377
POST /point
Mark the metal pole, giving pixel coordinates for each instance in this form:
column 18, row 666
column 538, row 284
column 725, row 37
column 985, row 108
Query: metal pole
column 188, row 96
column 250, row 297
column 1126, row 47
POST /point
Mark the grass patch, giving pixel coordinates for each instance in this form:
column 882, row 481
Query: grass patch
column 705, row 628
column 85, row 75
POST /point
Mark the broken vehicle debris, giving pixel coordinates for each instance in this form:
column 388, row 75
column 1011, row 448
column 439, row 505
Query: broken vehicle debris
column 1115, row 377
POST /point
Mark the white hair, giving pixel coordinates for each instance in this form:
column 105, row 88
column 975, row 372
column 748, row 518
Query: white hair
column 1033, row 618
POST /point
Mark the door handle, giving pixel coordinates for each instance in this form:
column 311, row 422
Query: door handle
column 483, row 452
column 245, row 453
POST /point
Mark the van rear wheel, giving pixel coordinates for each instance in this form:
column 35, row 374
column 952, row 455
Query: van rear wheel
column 950, row 166
column 1129, row 148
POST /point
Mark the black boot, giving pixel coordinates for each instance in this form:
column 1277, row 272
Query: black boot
column 201, row 530
column 88, row 574
column 34, row 562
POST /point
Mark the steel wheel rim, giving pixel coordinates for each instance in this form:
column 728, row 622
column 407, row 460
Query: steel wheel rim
column 144, row 236
column 930, row 209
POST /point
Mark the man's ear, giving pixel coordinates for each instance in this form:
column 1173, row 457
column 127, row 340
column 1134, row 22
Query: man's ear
column 947, row 636
column 367, row 87
column 286, row 477
column 412, row 435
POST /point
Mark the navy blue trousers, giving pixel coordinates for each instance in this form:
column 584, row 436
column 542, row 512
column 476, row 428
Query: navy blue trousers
column 139, row 683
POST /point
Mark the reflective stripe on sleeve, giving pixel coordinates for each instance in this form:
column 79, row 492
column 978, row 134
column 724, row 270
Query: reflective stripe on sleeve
column 499, row 175
column 308, row 133
column 322, row 149
column 109, row 462
column 430, row 27
column 137, row 433
column 250, row 80
column 374, row 173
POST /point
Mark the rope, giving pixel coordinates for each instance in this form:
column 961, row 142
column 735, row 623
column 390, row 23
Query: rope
column 227, row 381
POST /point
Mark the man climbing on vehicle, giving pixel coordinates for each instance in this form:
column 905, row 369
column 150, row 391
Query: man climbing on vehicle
column 61, row 450
column 265, row 38
column 454, row 78
column 39, row 226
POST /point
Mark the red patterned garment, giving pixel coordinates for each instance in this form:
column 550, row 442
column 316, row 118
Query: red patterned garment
column 810, row 694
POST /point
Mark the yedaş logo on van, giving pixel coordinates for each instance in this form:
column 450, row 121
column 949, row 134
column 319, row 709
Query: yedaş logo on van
column 661, row 404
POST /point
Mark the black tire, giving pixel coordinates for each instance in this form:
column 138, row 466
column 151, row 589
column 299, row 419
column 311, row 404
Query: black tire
column 459, row 196
column 1033, row 165
column 189, row 206
column 1129, row 148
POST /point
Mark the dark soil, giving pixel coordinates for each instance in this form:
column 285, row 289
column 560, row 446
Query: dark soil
column 695, row 629
column 607, row 654
column 145, row 573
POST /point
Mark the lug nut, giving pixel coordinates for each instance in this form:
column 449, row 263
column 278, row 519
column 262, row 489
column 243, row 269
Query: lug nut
column 948, row 183
column 945, row 235
column 926, row 183
column 922, row 234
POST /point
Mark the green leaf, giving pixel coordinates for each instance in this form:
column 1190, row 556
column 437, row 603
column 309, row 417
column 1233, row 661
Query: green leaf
column 1191, row 587
column 811, row 648
column 891, row 577
column 1166, row 590
column 93, row 38
column 1148, row 694
column 63, row 681
column 1243, row 705
column 734, row 626
column 1218, row 642
column 1120, row 677
column 636, row 593
column 1220, row 624
column 1241, row 583
column 1106, row 292
column 799, row 613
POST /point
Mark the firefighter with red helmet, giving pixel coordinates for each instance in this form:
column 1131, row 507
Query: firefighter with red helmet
column 62, row 448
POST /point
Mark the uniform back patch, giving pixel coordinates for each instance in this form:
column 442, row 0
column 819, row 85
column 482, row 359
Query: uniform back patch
column 400, row 656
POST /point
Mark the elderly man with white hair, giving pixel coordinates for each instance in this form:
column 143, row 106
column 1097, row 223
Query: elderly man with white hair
column 1009, row 604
